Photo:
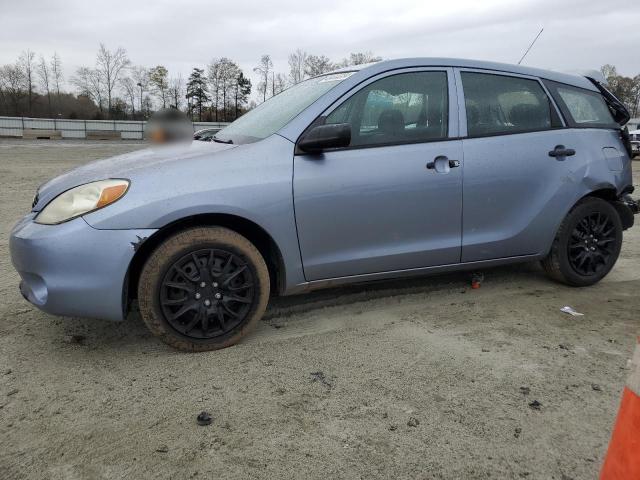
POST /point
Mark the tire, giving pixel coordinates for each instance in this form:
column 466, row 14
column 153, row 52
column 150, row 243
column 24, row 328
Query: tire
column 203, row 289
column 578, row 257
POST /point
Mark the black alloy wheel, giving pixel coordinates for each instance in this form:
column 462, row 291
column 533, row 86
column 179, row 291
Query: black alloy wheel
column 587, row 244
column 203, row 288
column 207, row 293
column 591, row 247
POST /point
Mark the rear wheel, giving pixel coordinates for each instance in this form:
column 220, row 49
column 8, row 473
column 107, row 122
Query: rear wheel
column 203, row 289
column 587, row 244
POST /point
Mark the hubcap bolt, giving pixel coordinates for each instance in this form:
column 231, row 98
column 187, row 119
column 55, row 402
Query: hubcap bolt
column 207, row 302
column 593, row 248
column 218, row 296
column 215, row 284
column 198, row 296
column 202, row 284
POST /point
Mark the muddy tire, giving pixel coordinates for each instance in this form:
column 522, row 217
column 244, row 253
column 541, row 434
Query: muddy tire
column 203, row 289
column 587, row 244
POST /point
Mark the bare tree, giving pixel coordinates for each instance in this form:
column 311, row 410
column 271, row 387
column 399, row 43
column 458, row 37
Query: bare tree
column 213, row 75
column 228, row 88
column 130, row 89
column 608, row 71
column 45, row 80
column 229, row 72
column 109, row 66
column 11, row 83
column 297, row 62
column 636, row 93
column 176, row 91
column 315, row 65
column 627, row 89
column 26, row 63
column 361, row 58
column 89, row 83
column 140, row 76
column 159, row 80
column 264, row 70
column 56, row 72
column 278, row 83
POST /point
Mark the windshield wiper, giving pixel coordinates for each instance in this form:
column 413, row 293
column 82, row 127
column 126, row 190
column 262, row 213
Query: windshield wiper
column 219, row 140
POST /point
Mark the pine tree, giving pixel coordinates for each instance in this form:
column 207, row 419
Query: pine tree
column 197, row 94
column 242, row 92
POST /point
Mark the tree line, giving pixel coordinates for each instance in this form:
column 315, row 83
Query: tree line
column 221, row 93
column 114, row 88
column 34, row 86
column 627, row 89
column 302, row 65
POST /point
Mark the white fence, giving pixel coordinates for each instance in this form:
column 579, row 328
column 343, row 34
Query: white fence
column 129, row 129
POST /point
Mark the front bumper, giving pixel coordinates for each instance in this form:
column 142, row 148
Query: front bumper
column 73, row 269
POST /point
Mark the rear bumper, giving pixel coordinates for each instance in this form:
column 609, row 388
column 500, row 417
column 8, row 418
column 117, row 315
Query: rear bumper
column 627, row 208
column 73, row 269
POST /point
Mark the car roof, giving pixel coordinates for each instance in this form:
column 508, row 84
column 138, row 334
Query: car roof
column 385, row 65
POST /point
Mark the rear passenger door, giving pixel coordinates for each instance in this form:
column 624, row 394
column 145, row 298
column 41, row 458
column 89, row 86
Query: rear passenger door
column 514, row 191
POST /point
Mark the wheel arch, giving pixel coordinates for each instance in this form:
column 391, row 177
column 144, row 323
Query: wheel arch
column 610, row 194
column 253, row 232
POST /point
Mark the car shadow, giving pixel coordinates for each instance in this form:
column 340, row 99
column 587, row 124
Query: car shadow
column 132, row 337
column 361, row 292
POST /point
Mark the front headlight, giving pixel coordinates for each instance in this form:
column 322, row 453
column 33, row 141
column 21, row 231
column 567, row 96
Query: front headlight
column 81, row 200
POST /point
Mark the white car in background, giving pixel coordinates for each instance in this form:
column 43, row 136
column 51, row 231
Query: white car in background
column 635, row 142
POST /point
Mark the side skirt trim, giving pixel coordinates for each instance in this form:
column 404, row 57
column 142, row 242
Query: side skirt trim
column 411, row 272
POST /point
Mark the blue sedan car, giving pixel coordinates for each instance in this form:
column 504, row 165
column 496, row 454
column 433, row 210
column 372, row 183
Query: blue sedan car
column 400, row 168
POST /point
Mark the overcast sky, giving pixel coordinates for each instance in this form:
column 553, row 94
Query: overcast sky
column 579, row 34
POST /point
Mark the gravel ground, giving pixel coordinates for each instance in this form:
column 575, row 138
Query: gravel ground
column 416, row 379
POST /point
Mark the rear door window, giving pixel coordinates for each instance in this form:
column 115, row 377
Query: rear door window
column 501, row 104
column 583, row 108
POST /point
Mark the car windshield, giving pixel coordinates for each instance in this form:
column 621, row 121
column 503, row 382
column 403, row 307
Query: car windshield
column 275, row 113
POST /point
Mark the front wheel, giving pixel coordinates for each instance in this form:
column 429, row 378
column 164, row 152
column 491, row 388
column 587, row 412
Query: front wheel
column 587, row 244
column 203, row 289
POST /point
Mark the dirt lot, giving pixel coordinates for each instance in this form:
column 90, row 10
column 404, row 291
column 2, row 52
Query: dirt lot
column 415, row 379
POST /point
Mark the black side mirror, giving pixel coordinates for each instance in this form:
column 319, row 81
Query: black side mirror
column 323, row 137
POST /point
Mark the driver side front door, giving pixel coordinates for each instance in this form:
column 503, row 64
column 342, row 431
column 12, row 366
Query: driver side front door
column 392, row 200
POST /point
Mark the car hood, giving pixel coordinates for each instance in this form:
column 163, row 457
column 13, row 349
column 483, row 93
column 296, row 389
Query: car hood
column 126, row 166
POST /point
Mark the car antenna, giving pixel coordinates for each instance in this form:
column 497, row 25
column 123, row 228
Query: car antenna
column 530, row 46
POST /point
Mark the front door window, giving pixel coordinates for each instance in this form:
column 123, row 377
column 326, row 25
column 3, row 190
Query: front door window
column 403, row 108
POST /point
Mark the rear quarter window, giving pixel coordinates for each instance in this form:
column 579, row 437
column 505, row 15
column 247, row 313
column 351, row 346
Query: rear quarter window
column 581, row 107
